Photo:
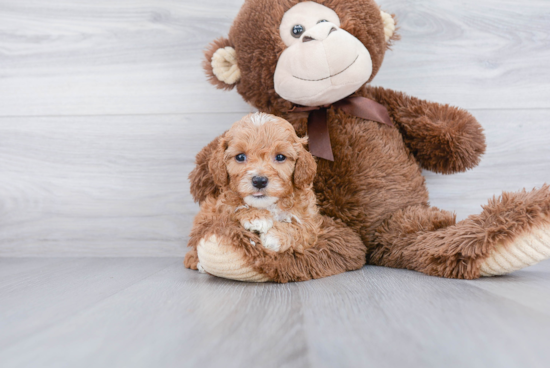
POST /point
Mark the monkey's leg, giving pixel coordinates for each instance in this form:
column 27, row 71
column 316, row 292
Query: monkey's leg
column 512, row 232
column 337, row 250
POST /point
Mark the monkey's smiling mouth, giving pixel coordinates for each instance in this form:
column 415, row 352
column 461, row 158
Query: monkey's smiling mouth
column 330, row 76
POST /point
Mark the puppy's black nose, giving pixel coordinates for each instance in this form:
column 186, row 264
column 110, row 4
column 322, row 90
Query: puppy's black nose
column 259, row 182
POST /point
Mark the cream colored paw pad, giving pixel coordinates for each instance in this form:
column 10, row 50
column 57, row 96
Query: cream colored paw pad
column 223, row 261
column 525, row 251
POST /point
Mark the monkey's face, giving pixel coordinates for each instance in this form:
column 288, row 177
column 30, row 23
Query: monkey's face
column 282, row 53
column 322, row 62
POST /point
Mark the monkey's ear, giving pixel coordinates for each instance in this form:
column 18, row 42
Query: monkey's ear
column 220, row 64
column 216, row 165
column 389, row 27
column 305, row 169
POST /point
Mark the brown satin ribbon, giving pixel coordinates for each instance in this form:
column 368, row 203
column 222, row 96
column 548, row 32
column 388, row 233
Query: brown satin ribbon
column 317, row 127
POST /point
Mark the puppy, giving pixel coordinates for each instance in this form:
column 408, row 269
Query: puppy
column 265, row 177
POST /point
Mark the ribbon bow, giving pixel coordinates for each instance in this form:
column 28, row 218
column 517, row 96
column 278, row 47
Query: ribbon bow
column 317, row 127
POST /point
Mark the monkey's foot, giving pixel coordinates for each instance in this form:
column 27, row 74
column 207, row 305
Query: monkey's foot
column 523, row 250
column 219, row 259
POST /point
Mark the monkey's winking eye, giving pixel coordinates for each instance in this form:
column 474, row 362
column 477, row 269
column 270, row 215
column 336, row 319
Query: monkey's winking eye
column 322, row 21
column 280, row 158
column 241, row 157
column 297, row 30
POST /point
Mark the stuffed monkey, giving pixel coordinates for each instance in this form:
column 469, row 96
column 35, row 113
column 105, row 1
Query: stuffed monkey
column 311, row 63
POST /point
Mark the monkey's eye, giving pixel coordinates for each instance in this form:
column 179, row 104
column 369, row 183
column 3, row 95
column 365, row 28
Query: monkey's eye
column 297, row 30
column 241, row 157
column 322, row 21
column 280, row 158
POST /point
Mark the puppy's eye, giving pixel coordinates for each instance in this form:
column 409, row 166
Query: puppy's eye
column 322, row 21
column 280, row 158
column 297, row 30
column 241, row 157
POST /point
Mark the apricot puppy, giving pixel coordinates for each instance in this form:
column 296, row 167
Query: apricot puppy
column 265, row 177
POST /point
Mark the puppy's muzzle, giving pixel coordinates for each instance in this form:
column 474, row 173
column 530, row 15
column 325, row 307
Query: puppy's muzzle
column 259, row 182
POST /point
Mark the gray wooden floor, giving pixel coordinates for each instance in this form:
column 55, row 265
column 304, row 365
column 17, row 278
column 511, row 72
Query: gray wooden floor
column 103, row 105
column 150, row 312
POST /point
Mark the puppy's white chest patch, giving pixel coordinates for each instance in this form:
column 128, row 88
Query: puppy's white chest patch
column 262, row 226
column 282, row 216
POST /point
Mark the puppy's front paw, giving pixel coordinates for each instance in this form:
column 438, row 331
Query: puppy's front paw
column 261, row 226
column 270, row 242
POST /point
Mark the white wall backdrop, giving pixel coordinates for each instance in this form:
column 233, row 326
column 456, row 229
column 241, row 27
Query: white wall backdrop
column 103, row 105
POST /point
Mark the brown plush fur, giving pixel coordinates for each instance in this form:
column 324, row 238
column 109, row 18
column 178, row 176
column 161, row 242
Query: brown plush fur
column 428, row 240
column 375, row 185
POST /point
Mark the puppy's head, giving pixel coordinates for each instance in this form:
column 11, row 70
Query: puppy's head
column 262, row 160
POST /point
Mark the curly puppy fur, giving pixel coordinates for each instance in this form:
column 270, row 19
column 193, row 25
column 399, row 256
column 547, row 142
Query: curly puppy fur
column 279, row 223
column 375, row 184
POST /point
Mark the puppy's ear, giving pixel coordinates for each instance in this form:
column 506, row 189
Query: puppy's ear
column 305, row 169
column 216, row 165
column 220, row 64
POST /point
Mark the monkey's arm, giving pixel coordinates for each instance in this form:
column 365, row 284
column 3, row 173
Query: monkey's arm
column 202, row 182
column 231, row 252
column 443, row 138
column 338, row 249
